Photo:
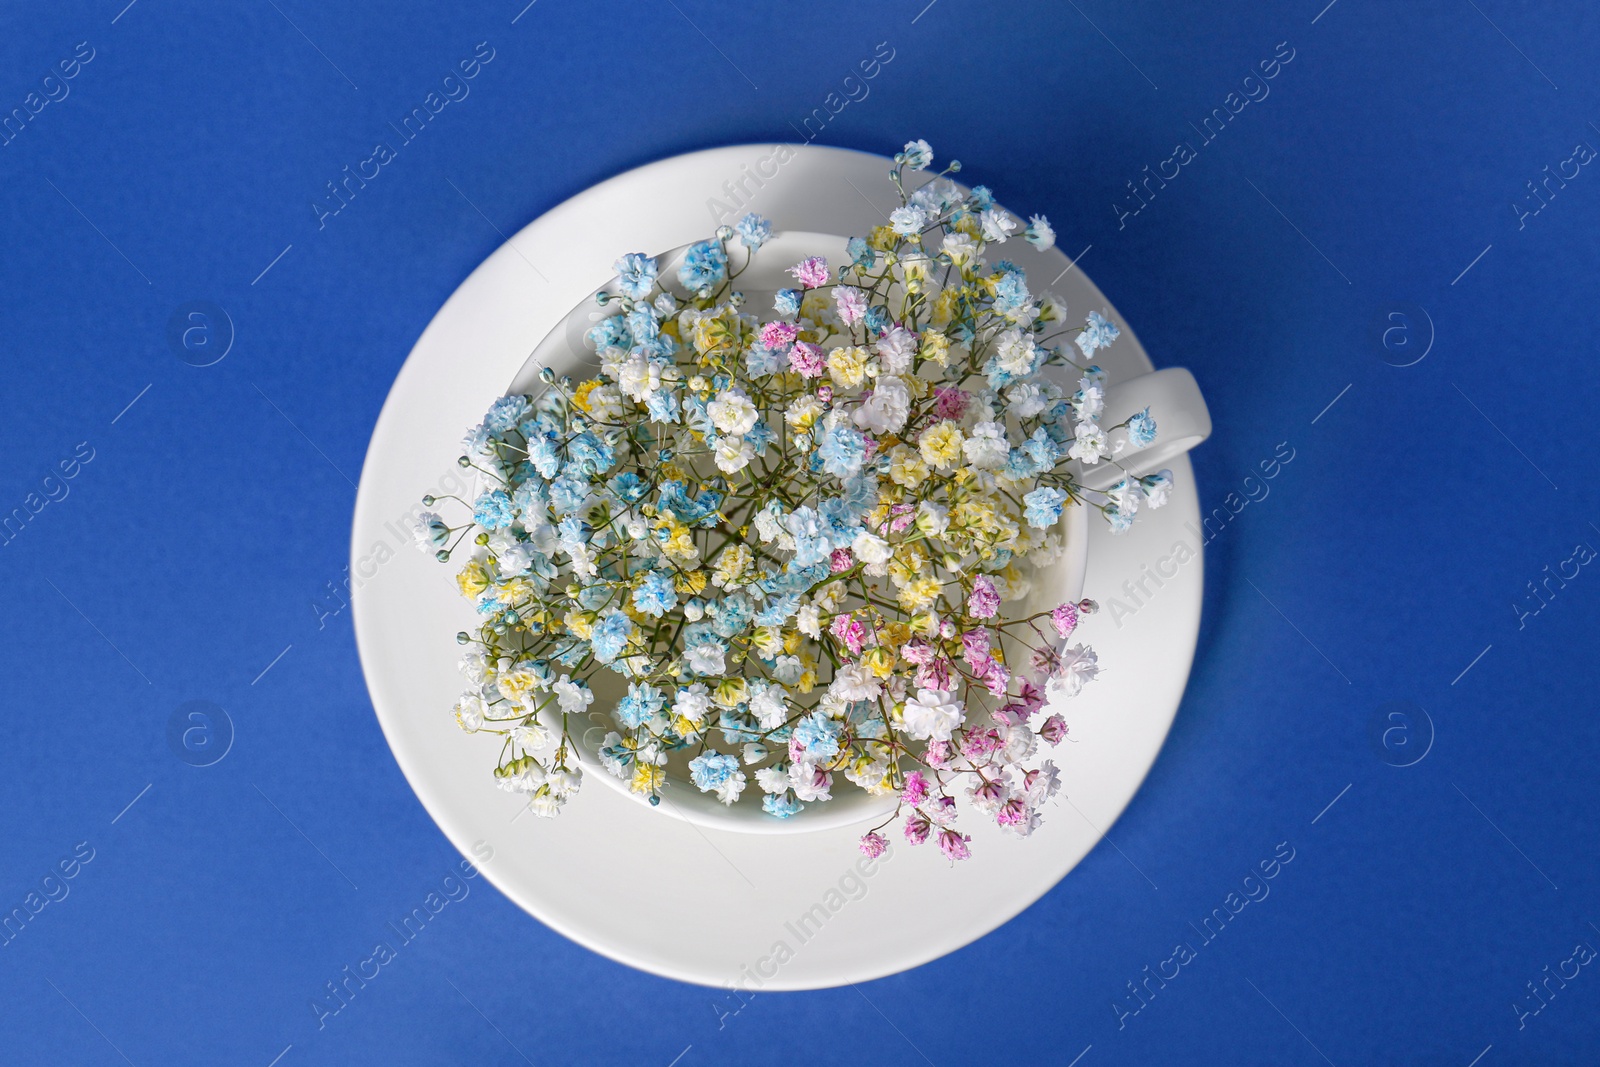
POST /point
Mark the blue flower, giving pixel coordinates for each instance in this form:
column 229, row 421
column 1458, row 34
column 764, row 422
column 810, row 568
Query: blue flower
column 1141, row 429
column 663, row 406
column 568, row 493
column 611, row 635
column 859, row 252
column 810, row 533
column 1121, row 521
column 859, row 497
column 629, row 487
column 542, row 454
column 731, row 615
column 643, row 325
column 691, row 511
column 656, row 595
column 1042, row 450
column 819, row 735
column 636, row 274
column 711, row 769
column 1044, row 507
column 590, row 455
column 760, row 436
column 704, row 267
column 1011, row 292
column 753, row 231
column 1099, row 333
column 504, row 413
column 783, row 806
column 641, row 704
column 877, row 319
column 842, row 450
column 492, row 510
column 981, row 198
column 737, row 729
column 610, row 333
column 573, row 530
column 778, row 610
column 761, row 360
column 786, row 301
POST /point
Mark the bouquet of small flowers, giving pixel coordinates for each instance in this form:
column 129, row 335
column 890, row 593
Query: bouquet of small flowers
column 794, row 534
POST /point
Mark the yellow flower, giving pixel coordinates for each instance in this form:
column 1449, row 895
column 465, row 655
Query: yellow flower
column 941, row 444
column 680, row 544
column 848, row 366
column 768, row 640
column 791, row 641
column 580, row 395
column 879, row 661
column 920, row 594
column 579, row 622
column 693, row 583
column 926, row 624
column 816, row 305
column 895, row 634
column 472, row 580
column 514, row 590
column 803, row 412
column 906, row 467
column 945, row 307
column 881, row 238
column 733, row 561
column 647, row 779
column 717, row 334
column 935, row 347
column 731, row 691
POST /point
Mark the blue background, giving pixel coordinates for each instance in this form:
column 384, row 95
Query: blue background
column 1385, row 565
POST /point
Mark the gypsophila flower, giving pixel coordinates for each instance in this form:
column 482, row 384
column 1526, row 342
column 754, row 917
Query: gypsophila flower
column 800, row 537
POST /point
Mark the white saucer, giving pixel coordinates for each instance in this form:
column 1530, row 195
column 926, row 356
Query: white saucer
column 793, row 911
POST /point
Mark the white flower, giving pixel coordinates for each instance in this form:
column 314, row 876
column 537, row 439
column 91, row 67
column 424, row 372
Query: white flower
column 1015, row 352
column 430, row 531
column 474, row 666
column 997, row 224
column 1020, row 743
column 808, row 621
column 959, row 247
column 1157, row 488
column 855, row 682
column 772, row 779
column 1026, row 399
column 787, row 669
column 563, row 783
column 705, row 659
column 515, row 558
column 1091, row 399
column 932, row 519
column 1079, row 665
column 809, row 783
column 532, row 736
column 895, row 349
column 638, row 378
column 985, row 801
column 885, row 411
column 1090, row 444
column 986, row 447
column 573, row 697
column 908, row 221
column 692, row 702
column 769, row 705
column 470, row 711
column 871, row 549
column 1125, row 496
column 734, row 454
column 732, row 786
column 1046, row 784
column 932, row 714
column 545, row 805
column 732, row 412
column 804, row 411
column 769, row 523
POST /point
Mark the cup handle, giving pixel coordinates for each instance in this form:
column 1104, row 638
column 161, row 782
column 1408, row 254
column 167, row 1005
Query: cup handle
column 1182, row 421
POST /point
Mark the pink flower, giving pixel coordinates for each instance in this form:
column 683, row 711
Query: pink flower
column 989, row 795
column 848, row 629
column 797, row 750
column 975, row 647
column 811, row 272
column 825, row 393
column 902, row 516
column 806, row 358
column 1013, row 812
column 984, row 602
column 917, row 651
column 950, row 403
column 947, row 629
column 938, row 753
column 1066, row 619
column 916, row 790
column 954, row 845
column 841, row 560
column 1032, row 697
column 779, row 335
column 916, row 828
column 935, row 675
column 1054, row 729
column 874, row 844
column 997, row 676
column 852, row 305
column 979, row 743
